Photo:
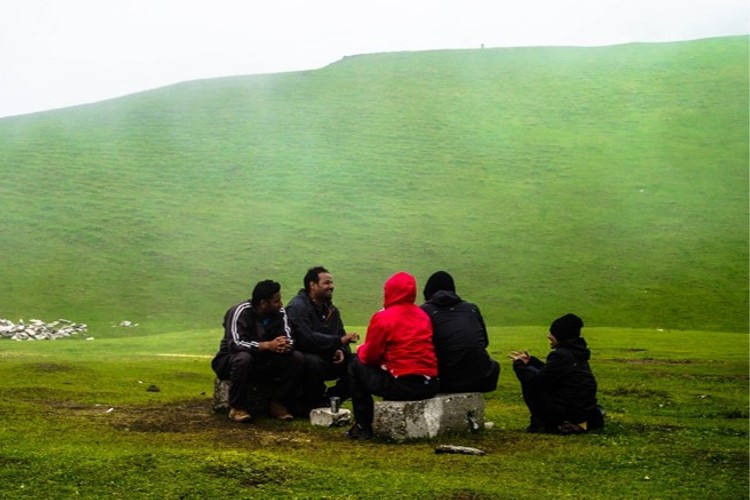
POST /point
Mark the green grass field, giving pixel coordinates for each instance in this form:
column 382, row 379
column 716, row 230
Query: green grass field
column 77, row 420
column 609, row 181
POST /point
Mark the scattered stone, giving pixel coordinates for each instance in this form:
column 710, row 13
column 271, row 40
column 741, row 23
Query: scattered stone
column 474, row 425
column 153, row 388
column 39, row 330
column 324, row 417
column 463, row 450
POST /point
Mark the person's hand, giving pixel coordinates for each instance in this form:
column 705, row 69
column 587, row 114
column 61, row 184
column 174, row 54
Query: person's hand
column 338, row 357
column 350, row 338
column 279, row 345
column 521, row 356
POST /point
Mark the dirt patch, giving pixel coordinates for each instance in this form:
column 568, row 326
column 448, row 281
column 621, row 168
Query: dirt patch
column 742, row 414
column 640, row 427
column 652, row 361
column 51, row 368
column 255, row 471
column 638, row 392
column 188, row 419
column 14, row 462
column 194, row 415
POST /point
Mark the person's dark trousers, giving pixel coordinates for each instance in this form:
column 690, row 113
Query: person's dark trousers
column 367, row 381
column 317, row 371
column 286, row 371
column 236, row 368
column 244, row 368
column 340, row 373
column 539, row 401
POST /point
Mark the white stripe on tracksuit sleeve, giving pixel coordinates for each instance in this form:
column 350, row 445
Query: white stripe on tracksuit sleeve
column 253, row 344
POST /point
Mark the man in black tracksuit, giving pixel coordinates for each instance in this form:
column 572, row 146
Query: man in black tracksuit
column 257, row 346
column 561, row 393
column 460, row 339
column 319, row 334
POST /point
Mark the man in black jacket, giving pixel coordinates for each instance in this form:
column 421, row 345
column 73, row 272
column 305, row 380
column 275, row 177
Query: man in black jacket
column 319, row 334
column 257, row 346
column 460, row 339
column 561, row 393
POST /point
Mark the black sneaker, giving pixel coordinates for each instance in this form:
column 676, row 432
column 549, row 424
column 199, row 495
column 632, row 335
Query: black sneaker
column 359, row 431
column 536, row 426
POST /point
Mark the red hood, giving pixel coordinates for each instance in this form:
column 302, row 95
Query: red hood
column 401, row 288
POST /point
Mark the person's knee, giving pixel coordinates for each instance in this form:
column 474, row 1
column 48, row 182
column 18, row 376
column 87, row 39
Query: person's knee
column 295, row 364
column 355, row 368
column 336, row 372
column 519, row 369
column 240, row 367
column 241, row 360
column 297, row 358
column 220, row 366
column 315, row 366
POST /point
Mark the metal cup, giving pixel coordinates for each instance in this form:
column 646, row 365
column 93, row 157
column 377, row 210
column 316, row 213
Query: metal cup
column 335, row 404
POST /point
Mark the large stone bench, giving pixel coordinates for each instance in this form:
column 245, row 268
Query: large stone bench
column 445, row 413
column 396, row 420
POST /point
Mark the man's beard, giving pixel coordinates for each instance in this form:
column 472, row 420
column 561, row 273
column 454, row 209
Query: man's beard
column 326, row 298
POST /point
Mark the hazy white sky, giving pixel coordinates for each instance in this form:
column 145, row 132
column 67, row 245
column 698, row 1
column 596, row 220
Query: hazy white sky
column 57, row 53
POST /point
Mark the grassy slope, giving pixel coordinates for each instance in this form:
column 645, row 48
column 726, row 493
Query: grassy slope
column 677, row 427
column 608, row 181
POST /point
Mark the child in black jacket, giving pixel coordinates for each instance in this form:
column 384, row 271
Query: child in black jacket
column 561, row 393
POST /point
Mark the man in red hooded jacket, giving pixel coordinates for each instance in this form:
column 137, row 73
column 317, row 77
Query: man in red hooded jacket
column 397, row 360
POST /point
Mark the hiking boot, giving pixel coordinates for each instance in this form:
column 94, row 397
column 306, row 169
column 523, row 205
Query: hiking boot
column 237, row 415
column 359, row 431
column 279, row 411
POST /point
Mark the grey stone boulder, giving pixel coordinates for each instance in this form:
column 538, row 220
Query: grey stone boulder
column 445, row 413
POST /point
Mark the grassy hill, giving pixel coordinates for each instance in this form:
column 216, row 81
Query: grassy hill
column 609, row 181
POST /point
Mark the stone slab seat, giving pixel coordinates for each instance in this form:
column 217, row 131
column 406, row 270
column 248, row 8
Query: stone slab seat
column 258, row 397
column 445, row 413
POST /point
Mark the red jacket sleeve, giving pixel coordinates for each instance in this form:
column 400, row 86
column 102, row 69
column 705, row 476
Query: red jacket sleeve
column 371, row 352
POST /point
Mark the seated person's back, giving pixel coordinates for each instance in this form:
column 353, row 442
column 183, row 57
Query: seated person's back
column 460, row 339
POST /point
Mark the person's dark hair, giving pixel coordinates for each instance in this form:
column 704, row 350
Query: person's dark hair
column 439, row 280
column 313, row 274
column 264, row 290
